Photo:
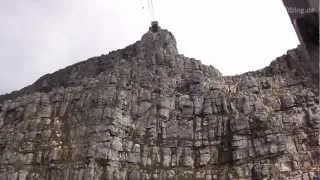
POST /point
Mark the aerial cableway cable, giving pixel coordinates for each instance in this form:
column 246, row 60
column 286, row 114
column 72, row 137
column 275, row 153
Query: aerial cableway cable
column 154, row 23
column 150, row 8
column 152, row 11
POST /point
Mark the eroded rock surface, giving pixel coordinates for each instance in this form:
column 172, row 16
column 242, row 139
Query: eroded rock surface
column 146, row 112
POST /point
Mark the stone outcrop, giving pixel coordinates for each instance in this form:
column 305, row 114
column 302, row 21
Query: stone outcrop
column 147, row 112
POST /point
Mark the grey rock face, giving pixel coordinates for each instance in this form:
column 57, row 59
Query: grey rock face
column 146, row 112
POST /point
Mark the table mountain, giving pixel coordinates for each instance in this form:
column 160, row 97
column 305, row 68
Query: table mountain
column 148, row 112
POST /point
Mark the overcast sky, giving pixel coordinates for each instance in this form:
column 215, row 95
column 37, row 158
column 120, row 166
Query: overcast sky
column 42, row 36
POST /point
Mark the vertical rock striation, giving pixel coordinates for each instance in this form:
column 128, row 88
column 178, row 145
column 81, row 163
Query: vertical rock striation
column 147, row 112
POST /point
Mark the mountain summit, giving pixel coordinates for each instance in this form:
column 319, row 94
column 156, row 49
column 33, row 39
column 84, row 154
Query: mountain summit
column 148, row 112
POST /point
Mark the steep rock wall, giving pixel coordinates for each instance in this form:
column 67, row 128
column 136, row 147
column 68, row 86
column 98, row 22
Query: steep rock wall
column 146, row 112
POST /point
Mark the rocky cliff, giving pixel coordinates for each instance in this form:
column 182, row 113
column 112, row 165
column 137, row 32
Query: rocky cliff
column 147, row 112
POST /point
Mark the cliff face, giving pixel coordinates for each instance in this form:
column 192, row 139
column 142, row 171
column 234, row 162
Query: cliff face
column 146, row 112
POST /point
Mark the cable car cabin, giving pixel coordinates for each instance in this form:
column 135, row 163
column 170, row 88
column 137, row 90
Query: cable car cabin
column 154, row 26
